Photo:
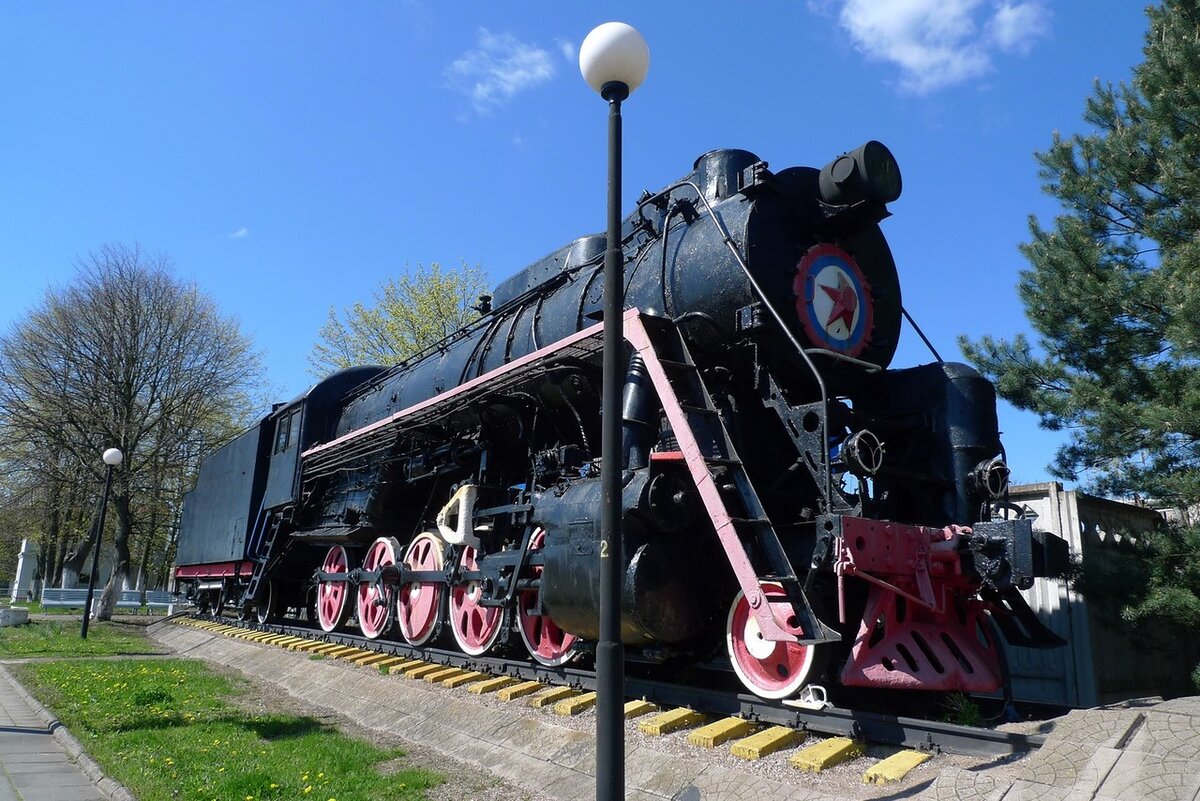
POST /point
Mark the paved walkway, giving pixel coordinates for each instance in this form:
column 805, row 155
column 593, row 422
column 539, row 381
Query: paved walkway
column 34, row 766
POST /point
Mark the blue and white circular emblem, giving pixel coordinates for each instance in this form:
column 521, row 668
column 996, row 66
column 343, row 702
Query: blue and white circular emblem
column 833, row 300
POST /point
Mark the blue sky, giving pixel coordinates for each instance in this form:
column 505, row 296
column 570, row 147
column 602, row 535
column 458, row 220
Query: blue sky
column 291, row 156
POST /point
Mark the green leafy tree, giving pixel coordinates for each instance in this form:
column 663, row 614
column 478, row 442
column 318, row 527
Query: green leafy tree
column 410, row 313
column 1113, row 287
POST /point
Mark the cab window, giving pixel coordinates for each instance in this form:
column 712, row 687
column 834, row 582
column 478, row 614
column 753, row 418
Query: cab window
column 294, row 428
column 283, row 432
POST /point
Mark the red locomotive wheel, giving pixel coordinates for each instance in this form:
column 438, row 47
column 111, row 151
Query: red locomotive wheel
column 419, row 604
column 374, row 611
column 547, row 643
column 332, row 596
column 768, row 669
column 475, row 627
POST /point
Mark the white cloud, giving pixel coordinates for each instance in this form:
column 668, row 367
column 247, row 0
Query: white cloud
column 939, row 43
column 567, row 49
column 240, row 233
column 1015, row 26
column 498, row 68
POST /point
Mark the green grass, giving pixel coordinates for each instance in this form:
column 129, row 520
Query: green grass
column 170, row 729
column 961, row 710
column 61, row 638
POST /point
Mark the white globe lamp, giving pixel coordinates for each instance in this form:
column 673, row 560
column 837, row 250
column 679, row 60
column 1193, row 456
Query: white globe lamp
column 614, row 53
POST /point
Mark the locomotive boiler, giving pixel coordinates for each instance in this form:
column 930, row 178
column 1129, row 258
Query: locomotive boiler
column 793, row 508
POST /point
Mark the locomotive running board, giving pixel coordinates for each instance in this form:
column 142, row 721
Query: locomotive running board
column 706, row 448
column 582, row 345
column 697, row 428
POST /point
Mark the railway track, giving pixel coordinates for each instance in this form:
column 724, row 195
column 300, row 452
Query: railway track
column 860, row 726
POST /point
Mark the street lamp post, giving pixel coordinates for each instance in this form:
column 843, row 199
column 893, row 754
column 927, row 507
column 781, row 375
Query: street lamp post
column 112, row 457
column 614, row 60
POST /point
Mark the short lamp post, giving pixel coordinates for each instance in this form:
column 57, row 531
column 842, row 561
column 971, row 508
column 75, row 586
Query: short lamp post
column 614, row 60
column 112, row 457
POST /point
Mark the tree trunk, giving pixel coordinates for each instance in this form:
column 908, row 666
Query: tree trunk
column 148, row 540
column 120, row 573
column 54, row 576
column 163, row 574
column 140, row 585
column 53, row 559
column 74, row 562
column 43, row 556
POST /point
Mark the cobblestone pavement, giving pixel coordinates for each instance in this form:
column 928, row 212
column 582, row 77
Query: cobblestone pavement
column 1098, row 755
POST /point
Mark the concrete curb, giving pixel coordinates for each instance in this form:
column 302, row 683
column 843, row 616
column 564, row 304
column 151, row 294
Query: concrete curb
column 88, row 766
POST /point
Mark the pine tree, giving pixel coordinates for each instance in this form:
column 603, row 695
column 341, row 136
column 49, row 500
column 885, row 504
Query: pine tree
column 1113, row 287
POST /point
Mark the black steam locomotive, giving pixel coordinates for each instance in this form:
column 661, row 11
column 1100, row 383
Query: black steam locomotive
column 790, row 503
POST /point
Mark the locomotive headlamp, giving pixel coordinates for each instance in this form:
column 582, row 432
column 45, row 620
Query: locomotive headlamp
column 862, row 453
column 868, row 173
column 990, row 478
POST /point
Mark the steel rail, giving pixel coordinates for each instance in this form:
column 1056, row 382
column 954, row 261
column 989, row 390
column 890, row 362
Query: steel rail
column 873, row 727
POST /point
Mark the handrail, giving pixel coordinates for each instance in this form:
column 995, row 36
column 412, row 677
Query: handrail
column 762, row 295
column 870, row 367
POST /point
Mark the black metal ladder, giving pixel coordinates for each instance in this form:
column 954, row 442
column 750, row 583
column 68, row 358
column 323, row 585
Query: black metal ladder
column 271, row 523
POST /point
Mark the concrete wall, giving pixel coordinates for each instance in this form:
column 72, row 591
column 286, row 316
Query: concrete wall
column 1105, row 660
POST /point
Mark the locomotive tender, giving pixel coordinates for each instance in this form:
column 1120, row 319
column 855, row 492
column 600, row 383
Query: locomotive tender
column 791, row 504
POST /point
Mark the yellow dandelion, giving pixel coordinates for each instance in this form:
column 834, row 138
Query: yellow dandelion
column 308, row 789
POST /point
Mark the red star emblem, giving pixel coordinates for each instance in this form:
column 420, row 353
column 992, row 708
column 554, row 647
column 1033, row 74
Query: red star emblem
column 845, row 303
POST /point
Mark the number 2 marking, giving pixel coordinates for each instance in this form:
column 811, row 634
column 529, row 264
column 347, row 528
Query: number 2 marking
column 603, row 549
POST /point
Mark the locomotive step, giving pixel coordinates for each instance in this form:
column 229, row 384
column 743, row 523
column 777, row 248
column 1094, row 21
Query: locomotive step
column 749, row 521
column 715, row 461
column 704, row 410
column 785, row 579
column 674, row 365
